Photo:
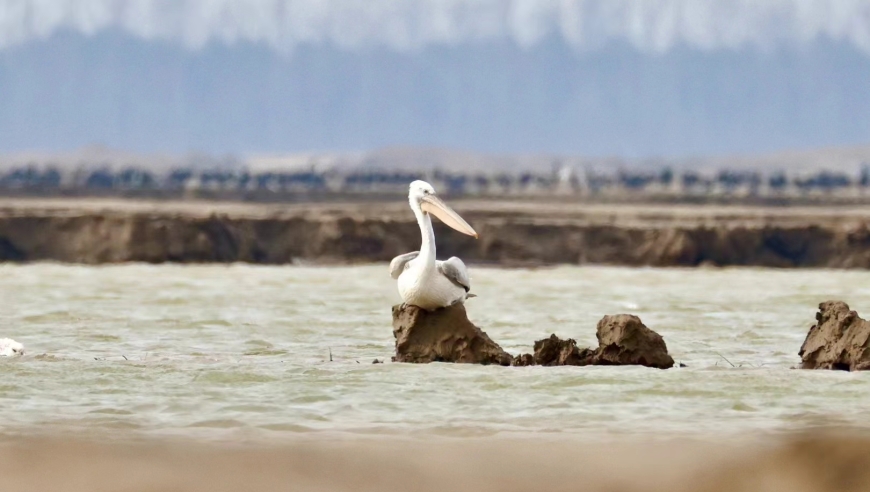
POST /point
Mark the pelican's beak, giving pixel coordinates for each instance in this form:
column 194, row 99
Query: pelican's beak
column 435, row 206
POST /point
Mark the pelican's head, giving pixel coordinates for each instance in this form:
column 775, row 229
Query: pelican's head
column 419, row 189
column 9, row 348
column 422, row 195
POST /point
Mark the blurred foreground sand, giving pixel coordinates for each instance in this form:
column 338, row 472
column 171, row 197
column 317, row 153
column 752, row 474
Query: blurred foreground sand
column 807, row 463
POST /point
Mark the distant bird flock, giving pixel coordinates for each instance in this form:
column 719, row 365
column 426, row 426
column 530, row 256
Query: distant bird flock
column 42, row 180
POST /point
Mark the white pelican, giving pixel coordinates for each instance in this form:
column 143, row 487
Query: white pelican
column 9, row 347
column 423, row 281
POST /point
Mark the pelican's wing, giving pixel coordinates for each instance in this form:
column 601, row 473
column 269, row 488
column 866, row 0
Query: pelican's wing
column 399, row 262
column 455, row 270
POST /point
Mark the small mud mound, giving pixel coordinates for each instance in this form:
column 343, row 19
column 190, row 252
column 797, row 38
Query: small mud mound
column 446, row 335
column 443, row 335
column 622, row 340
column 839, row 340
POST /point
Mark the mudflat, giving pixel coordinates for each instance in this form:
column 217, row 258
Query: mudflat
column 512, row 233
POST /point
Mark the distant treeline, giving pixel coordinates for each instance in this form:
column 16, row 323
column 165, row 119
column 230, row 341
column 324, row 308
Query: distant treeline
column 47, row 180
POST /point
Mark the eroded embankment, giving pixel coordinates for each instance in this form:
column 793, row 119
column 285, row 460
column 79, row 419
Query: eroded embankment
column 511, row 233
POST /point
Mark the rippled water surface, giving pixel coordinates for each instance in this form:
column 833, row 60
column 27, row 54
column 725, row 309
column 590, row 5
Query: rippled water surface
column 245, row 351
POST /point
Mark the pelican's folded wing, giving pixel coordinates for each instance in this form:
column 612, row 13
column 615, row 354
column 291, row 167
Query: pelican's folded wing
column 399, row 262
column 454, row 269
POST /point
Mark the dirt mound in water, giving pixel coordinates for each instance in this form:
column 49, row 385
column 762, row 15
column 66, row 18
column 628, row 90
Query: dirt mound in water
column 443, row 335
column 839, row 340
column 622, row 340
column 446, row 335
column 554, row 351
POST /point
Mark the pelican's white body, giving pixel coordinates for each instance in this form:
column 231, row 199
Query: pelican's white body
column 9, row 348
column 422, row 282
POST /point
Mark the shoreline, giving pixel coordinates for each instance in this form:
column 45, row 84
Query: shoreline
column 816, row 461
column 97, row 231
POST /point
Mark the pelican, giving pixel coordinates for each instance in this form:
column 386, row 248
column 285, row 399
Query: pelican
column 424, row 281
column 9, row 348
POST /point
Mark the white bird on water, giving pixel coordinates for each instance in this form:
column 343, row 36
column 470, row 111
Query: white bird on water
column 9, row 348
column 424, row 281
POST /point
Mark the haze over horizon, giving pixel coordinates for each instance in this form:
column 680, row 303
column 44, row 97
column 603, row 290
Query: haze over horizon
column 633, row 78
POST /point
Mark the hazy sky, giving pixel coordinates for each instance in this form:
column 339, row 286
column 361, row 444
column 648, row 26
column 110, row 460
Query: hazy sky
column 592, row 77
column 648, row 25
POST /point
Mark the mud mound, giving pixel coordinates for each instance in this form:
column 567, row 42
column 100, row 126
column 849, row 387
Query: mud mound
column 839, row 340
column 622, row 340
column 443, row 335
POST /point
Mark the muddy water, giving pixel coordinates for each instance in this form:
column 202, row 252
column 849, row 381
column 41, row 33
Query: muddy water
column 244, row 352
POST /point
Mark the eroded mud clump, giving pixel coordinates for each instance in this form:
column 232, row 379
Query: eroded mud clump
column 622, row 340
column 554, row 351
column 839, row 340
column 446, row 335
column 523, row 360
column 443, row 335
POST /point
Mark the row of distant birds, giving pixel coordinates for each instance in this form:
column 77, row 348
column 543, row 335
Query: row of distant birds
column 423, row 280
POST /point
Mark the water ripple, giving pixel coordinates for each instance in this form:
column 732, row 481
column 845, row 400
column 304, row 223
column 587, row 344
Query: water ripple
column 206, row 350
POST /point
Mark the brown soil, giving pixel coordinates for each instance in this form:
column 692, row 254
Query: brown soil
column 812, row 463
column 622, row 340
column 839, row 340
column 447, row 335
column 554, row 351
column 511, row 233
column 443, row 335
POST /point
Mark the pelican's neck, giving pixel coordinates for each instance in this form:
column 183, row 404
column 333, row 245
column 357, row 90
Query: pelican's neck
column 427, row 248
